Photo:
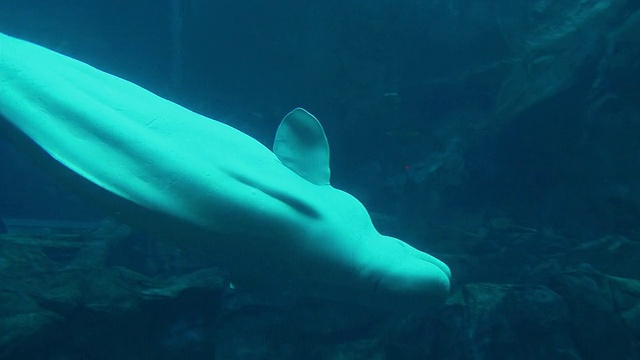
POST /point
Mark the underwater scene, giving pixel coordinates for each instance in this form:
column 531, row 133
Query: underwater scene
column 342, row 180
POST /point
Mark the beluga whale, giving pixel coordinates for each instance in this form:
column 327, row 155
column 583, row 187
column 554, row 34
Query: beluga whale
column 270, row 217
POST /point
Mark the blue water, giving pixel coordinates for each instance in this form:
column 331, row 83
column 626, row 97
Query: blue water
column 457, row 123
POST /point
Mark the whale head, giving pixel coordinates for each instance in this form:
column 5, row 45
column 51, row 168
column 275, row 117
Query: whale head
column 362, row 264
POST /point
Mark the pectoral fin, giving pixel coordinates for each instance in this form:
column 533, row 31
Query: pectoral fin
column 302, row 146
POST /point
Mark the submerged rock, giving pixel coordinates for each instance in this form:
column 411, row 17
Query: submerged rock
column 59, row 308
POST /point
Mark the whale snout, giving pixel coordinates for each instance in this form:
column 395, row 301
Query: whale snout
column 413, row 285
column 404, row 278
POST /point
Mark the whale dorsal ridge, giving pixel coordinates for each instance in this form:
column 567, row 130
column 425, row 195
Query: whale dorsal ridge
column 302, row 146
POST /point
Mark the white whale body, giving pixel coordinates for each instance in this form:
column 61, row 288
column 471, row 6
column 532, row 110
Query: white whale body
column 270, row 217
